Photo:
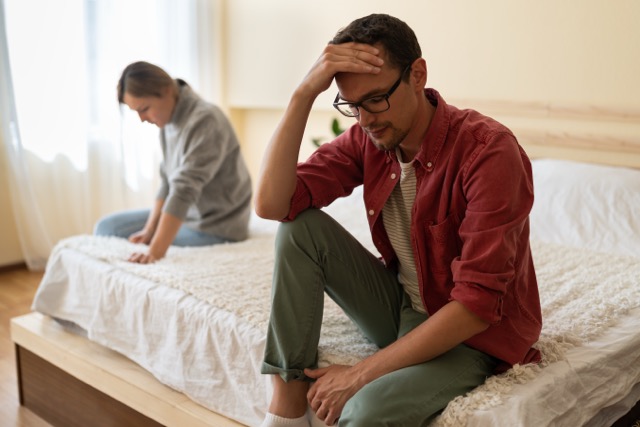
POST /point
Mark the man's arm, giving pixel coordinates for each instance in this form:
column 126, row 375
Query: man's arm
column 277, row 177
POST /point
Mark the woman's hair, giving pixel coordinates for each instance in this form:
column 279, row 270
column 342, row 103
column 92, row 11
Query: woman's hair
column 142, row 79
column 397, row 38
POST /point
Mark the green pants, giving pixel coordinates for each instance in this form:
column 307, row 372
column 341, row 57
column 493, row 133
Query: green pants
column 314, row 255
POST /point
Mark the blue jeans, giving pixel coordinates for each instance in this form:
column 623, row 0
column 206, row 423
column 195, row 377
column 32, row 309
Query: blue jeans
column 314, row 255
column 125, row 223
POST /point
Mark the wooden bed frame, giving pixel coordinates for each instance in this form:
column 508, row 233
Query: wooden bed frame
column 98, row 387
column 69, row 381
column 580, row 133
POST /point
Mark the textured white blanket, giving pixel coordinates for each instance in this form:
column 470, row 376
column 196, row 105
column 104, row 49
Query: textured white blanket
column 582, row 293
column 232, row 277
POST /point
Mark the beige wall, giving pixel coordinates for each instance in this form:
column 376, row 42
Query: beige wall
column 575, row 51
column 547, row 69
column 255, row 126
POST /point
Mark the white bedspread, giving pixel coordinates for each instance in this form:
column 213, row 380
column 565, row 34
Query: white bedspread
column 196, row 320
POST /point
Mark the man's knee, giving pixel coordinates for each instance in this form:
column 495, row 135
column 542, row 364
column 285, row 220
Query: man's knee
column 305, row 219
column 307, row 224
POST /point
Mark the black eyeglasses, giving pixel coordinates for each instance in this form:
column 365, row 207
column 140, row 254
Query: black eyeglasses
column 375, row 104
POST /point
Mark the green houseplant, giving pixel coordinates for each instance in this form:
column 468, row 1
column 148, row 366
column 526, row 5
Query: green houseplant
column 335, row 129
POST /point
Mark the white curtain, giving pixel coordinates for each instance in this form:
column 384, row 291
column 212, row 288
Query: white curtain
column 74, row 155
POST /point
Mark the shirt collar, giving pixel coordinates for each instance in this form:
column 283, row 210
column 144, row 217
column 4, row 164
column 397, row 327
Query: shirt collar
column 436, row 134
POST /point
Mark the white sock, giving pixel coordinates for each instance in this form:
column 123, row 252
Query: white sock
column 271, row 420
column 313, row 419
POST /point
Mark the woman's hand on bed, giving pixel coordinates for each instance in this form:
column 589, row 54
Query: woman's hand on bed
column 141, row 258
column 333, row 387
column 141, row 236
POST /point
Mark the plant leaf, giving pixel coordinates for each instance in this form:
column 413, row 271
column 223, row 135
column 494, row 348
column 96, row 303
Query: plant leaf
column 335, row 127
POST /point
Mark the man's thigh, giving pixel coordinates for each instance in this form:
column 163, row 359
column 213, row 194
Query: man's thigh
column 315, row 250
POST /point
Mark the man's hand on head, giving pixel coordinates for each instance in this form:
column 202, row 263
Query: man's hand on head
column 340, row 58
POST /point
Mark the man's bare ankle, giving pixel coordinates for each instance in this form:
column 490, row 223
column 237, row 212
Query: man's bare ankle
column 289, row 398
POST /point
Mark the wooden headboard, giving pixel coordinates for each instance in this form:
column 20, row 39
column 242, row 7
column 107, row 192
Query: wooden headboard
column 587, row 134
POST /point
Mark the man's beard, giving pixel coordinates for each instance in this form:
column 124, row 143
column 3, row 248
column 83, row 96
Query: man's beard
column 397, row 136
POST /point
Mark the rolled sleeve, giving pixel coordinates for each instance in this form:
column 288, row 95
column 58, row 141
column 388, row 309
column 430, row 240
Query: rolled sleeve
column 300, row 201
column 331, row 172
column 484, row 304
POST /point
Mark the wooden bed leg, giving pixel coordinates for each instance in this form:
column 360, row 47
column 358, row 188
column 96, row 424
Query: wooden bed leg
column 19, row 376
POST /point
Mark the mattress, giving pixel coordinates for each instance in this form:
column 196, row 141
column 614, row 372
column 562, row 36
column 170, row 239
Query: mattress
column 196, row 320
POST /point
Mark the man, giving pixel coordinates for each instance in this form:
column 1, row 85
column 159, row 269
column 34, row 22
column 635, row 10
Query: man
column 447, row 193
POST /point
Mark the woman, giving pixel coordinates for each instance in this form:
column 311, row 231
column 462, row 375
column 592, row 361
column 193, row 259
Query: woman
column 205, row 194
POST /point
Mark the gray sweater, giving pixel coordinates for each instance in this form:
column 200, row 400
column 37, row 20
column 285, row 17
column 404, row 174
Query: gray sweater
column 205, row 181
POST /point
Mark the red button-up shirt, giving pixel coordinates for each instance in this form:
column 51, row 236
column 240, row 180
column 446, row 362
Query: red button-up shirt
column 470, row 219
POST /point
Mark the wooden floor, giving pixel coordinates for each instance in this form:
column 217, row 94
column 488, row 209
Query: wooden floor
column 17, row 287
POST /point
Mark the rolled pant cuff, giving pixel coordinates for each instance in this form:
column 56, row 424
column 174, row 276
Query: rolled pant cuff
column 286, row 374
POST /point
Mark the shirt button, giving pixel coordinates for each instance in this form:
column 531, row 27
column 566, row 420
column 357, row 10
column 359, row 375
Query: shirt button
column 429, row 164
column 371, row 212
column 393, row 176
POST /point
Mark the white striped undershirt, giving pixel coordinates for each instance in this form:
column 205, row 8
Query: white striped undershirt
column 396, row 216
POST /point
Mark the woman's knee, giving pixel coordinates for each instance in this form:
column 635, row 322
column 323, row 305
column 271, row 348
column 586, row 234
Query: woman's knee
column 121, row 224
column 106, row 226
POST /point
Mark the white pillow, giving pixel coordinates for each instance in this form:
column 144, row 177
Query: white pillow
column 586, row 205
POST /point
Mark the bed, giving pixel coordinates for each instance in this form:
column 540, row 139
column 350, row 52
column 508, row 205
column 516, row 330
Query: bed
column 180, row 342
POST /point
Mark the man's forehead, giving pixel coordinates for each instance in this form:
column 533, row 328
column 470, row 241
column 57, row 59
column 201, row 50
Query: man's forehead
column 355, row 87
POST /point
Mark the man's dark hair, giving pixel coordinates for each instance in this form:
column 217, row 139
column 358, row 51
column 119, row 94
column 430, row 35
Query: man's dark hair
column 397, row 38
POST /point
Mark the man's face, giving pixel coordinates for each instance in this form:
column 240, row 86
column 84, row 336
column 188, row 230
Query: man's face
column 387, row 129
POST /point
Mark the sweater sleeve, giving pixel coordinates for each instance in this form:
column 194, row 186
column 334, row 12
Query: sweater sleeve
column 163, row 191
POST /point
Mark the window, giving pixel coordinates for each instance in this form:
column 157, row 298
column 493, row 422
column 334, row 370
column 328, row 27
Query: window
column 66, row 59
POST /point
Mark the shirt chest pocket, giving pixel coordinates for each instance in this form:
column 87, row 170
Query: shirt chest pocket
column 442, row 245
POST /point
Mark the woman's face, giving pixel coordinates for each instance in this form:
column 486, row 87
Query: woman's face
column 153, row 109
